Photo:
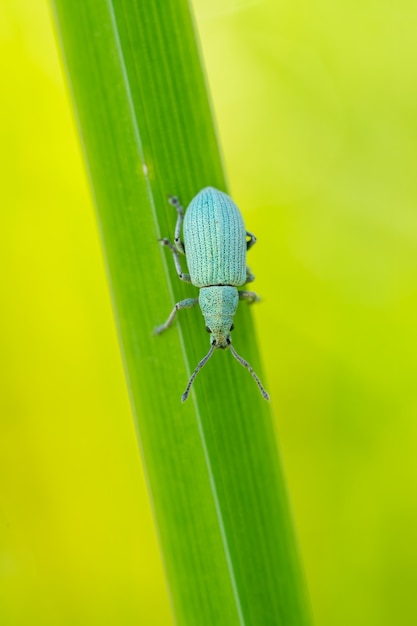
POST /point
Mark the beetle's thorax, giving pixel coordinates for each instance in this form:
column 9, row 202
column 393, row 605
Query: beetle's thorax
column 218, row 305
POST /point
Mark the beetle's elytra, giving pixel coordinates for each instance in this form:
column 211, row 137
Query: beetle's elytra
column 215, row 246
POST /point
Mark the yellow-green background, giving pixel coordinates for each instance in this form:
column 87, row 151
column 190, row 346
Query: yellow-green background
column 316, row 105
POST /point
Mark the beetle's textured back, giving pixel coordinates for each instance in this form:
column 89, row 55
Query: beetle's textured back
column 215, row 240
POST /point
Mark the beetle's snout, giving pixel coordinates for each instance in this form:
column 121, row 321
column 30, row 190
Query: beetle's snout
column 222, row 343
column 220, row 332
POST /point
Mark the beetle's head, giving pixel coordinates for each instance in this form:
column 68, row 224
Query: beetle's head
column 218, row 305
column 220, row 335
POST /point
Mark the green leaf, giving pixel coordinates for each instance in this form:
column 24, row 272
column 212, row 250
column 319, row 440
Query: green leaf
column 212, row 463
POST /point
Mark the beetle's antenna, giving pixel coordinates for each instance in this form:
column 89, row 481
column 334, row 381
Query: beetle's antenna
column 197, row 369
column 254, row 376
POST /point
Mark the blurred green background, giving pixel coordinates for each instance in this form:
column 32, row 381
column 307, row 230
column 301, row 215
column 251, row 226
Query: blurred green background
column 316, row 105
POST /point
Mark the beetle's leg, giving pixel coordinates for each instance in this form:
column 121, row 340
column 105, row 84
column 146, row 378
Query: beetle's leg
column 180, row 212
column 249, row 276
column 252, row 240
column 184, row 304
column 166, row 242
column 250, row 296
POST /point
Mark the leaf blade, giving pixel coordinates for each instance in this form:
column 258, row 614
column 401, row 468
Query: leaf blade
column 212, row 464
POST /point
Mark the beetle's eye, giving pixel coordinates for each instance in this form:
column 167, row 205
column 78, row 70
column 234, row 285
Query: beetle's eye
column 208, row 329
column 228, row 341
column 232, row 327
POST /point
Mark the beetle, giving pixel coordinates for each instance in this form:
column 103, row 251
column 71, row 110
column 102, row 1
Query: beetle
column 215, row 246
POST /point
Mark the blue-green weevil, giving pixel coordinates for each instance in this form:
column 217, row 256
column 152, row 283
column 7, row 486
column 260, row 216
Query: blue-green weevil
column 215, row 245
